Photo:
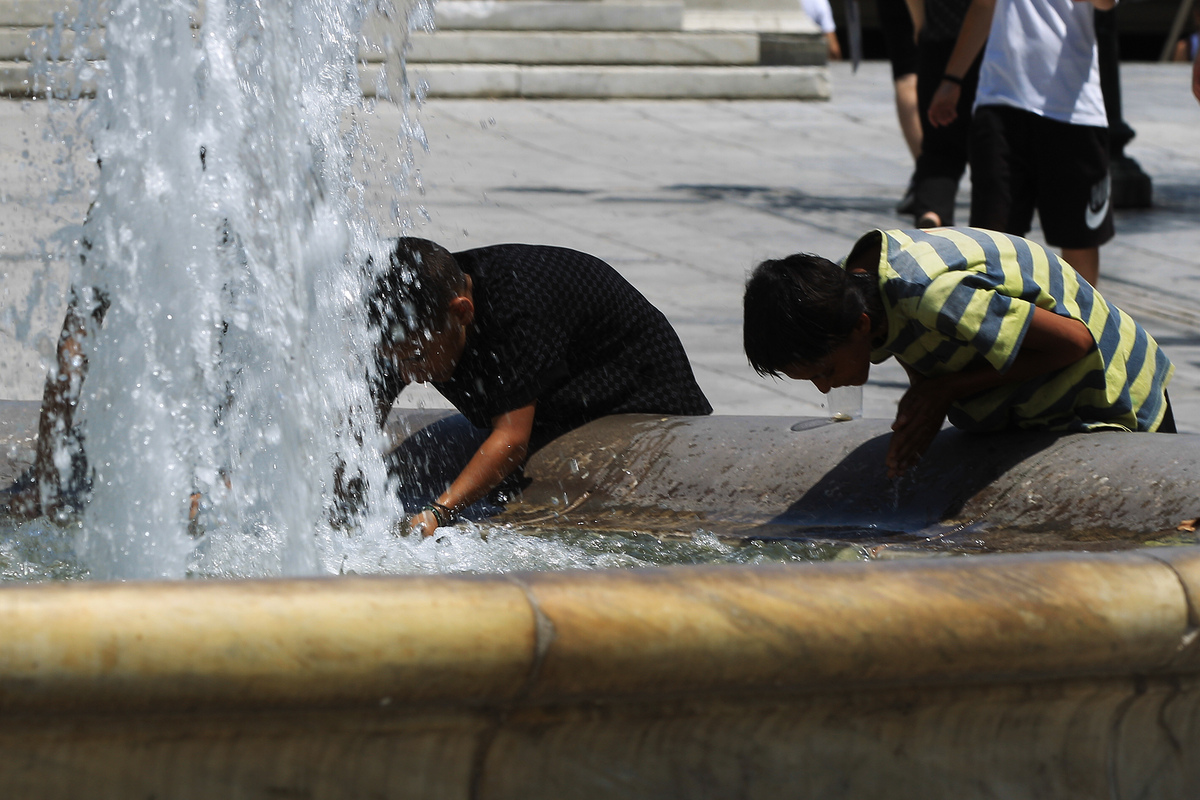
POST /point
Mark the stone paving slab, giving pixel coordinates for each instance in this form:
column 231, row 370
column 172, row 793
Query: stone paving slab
column 526, row 15
column 584, row 47
column 571, row 81
column 684, row 197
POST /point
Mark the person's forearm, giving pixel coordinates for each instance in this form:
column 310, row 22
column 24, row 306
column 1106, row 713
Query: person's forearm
column 1103, row 5
column 973, row 35
column 495, row 460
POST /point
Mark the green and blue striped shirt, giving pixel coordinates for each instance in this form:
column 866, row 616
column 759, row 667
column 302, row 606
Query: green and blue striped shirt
column 957, row 298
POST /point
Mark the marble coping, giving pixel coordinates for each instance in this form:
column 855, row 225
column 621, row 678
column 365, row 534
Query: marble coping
column 584, row 637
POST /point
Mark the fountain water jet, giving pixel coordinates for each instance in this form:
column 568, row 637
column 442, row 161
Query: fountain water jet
column 227, row 242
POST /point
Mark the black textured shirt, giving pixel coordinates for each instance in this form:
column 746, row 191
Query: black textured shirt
column 944, row 19
column 561, row 328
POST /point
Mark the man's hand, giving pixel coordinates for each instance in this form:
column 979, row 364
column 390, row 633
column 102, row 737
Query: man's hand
column 502, row 452
column 919, row 417
column 424, row 523
column 943, row 109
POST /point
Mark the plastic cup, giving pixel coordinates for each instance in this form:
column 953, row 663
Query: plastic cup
column 845, row 403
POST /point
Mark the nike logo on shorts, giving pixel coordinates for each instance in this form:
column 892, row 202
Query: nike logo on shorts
column 1097, row 208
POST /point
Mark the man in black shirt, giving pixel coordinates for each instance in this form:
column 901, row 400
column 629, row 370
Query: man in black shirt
column 526, row 340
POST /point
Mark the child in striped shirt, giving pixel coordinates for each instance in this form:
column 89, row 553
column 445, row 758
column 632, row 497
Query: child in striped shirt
column 993, row 330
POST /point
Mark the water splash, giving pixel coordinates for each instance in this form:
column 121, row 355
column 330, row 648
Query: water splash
column 227, row 240
column 231, row 223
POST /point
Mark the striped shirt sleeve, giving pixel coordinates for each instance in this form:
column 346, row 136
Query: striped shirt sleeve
column 964, row 306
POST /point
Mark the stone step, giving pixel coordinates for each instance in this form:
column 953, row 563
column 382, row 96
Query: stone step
column 18, row 44
column 35, row 13
column 540, row 47
column 594, row 82
column 580, row 15
column 16, row 80
column 542, row 15
column 585, row 15
column 591, row 47
column 568, row 81
column 758, row 20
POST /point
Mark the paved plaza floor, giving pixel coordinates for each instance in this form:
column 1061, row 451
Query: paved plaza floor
column 684, row 197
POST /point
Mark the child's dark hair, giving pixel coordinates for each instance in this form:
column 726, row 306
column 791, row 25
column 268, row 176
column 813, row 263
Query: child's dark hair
column 798, row 309
column 412, row 295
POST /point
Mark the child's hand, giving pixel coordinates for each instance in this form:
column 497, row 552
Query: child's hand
column 919, row 417
column 424, row 523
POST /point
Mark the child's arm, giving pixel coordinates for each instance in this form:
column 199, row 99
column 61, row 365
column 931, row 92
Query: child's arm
column 973, row 35
column 502, row 452
column 1051, row 343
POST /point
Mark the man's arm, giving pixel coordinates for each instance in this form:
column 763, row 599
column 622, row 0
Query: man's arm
column 501, row 453
column 1051, row 343
column 973, row 35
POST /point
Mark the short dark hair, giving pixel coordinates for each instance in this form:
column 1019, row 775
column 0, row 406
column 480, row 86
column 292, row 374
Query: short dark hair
column 412, row 295
column 798, row 309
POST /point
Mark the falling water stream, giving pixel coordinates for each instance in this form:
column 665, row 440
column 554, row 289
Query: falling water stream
column 229, row 237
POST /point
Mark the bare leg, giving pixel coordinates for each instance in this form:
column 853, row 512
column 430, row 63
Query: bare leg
column 1086, row 262
column 907, row 112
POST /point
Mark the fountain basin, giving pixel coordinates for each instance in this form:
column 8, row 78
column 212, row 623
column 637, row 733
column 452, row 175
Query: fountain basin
column 1041, row 675
column 762, row 478
column 1031, row 674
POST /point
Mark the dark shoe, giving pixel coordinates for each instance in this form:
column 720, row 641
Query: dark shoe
column 908, row 203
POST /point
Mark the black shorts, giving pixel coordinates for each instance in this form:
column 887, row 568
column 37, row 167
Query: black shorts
column 1021, row 161
column 898, row 38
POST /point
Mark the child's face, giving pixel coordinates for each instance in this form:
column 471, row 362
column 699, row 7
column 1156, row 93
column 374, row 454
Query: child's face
column 848, row 365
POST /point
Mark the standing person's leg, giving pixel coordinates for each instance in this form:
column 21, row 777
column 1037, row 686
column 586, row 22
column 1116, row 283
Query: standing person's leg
column 1003, row 186
column 900, row 40
column 908, row 113
column 1085, row 260
column 1073, row 197
column 943, row 149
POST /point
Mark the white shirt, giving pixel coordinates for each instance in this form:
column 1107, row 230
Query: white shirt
column 1041, row 56
column 821, row 13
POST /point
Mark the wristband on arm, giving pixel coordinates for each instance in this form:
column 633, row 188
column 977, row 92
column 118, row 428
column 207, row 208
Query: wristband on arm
column 957, row 81
column 443, row 514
